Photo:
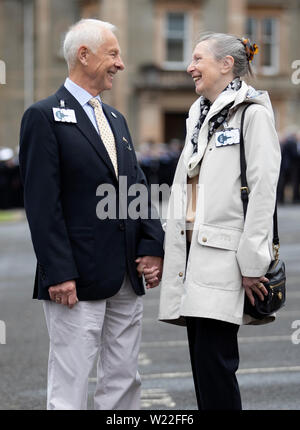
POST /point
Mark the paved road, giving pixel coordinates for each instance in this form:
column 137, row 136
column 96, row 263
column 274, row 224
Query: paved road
column 269, row 372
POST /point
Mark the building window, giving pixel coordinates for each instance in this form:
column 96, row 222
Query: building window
column 176, row 40
column 269, row 44
column 265, row 32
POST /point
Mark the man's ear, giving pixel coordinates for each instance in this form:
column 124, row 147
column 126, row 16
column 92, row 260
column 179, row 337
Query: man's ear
column 228, row 63
column 83, row 55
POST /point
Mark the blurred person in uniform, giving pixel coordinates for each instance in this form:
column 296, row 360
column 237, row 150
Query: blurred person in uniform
column 175, row 148
column 288, row 168
column 145, row 160
column 6, row 157
column 165, row 168
column 88, row 269
column 16, row 187
column 295, row 174
column 149, row 161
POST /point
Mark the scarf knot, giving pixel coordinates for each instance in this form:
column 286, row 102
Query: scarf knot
column 217, row 120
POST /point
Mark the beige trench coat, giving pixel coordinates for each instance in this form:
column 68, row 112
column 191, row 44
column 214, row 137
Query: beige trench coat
column 223, row 246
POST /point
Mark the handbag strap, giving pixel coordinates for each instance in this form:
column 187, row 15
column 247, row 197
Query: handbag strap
column 245, row 189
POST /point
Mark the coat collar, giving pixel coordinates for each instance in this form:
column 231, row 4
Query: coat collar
column 192, row 160
column 88, row 130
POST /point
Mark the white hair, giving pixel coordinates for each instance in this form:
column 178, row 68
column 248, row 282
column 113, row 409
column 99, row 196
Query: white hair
column 227, row 44
column 89, row 32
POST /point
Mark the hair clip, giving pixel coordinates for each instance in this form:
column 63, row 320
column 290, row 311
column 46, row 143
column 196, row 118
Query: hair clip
column 251, row 50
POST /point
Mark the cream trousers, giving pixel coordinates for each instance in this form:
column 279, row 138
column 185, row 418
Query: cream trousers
column 109, row 330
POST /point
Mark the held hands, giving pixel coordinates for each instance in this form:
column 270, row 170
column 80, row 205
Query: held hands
column 255, row 285
column 64, row 293
column 151, row 267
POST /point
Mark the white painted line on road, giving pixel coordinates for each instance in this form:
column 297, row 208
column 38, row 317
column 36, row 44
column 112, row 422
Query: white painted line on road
column 254, row 339
column 144, row 360
column 156, row 396
column 269, row 370
column 247, row 339
column 164, row 343
column 172, row 375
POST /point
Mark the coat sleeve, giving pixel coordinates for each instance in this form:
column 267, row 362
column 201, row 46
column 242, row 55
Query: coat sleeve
column 40, row 172
column 151, row 233
column 263, row 157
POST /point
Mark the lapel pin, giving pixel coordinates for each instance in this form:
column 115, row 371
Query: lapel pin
column 125, row 140
column 114, row 115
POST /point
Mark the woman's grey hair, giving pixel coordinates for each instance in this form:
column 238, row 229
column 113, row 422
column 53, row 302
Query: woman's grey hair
column 89, row 32
column 227, row 44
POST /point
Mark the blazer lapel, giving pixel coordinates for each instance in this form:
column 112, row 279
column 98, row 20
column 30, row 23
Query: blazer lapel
column 85, row 126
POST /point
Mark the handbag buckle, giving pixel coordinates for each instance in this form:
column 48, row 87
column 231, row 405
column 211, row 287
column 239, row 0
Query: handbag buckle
column 245, row 189
column 276, row 251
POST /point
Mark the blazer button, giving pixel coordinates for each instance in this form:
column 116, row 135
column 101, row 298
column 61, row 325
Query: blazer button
column 182, row 232
column 122, row 226
column 204, row 239
column 180, row 274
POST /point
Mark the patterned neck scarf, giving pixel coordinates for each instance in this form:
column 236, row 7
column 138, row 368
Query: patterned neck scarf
column 217, row 119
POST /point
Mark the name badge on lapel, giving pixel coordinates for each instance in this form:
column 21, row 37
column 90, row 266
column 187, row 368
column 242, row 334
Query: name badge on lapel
column 228, row 137
column 64, row 115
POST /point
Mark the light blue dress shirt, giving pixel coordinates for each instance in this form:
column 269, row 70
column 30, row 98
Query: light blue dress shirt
column 83, row 97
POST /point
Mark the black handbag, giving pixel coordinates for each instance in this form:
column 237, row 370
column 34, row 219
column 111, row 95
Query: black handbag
column 276, row 286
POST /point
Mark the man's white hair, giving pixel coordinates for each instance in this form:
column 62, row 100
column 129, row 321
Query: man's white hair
column 89, row 32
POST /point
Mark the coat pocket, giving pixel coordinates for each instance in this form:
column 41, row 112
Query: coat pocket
column 213, row 258
column 83, row 248
column 219, row 237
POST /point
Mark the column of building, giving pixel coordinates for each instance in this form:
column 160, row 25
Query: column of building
column 116, row 12
column 43, row 47
column 236, row 16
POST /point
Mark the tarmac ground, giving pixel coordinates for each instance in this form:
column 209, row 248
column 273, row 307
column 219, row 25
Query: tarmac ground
column 269, row 373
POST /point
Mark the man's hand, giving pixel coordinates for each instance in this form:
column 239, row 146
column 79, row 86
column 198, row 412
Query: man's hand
column 151, row 267
column 255, row 285
column 64, row 293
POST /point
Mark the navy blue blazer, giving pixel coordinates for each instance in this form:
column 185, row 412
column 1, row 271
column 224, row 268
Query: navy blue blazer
column 62, row 164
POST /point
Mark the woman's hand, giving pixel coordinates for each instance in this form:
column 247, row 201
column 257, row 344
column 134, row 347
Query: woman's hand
column 152, row 277
column 255, row 285
column 151, row 267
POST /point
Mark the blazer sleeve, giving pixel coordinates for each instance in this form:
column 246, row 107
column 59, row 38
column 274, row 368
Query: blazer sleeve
column 151, row 232
column 263, row 157
column 40, row 172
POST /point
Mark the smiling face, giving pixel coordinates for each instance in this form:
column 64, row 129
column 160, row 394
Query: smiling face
column 100, row 68
column 208, row 73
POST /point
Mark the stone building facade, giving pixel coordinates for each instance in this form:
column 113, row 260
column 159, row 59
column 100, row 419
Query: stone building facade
column 157, row 38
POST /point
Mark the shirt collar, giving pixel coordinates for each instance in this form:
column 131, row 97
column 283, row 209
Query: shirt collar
column 80, row 94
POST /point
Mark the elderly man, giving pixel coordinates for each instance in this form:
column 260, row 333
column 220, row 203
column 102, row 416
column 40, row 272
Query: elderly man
column 88, row 269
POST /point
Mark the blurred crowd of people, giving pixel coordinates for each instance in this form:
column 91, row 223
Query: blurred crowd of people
column 290, row 168
column 159, row 162
column 11, row 192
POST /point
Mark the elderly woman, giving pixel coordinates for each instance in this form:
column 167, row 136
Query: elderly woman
column 213, row 257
